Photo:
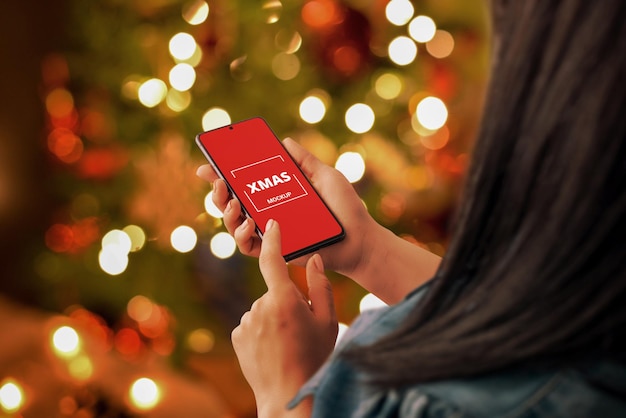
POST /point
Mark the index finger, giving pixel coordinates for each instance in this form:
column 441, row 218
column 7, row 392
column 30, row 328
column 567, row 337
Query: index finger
column 271, row 262
column 309, row 163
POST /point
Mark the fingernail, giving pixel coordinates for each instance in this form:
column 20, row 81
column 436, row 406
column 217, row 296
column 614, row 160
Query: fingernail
column 229, row 205
column 269, row 224
column 319, row 264
column 244, row 224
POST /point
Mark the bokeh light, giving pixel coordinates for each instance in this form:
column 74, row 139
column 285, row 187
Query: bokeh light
column 402, row 50
column 152, row 92
column 312, row 109
column 223, row 245
column 112, row 261
column 370, row 301
column 11, row 396
column 215, row 118
column 182, row 46
column 351, row 165
column 140, row 308
column 288, row 41
column 59, row 103
column 422, row 29
column 80, row 367
column 432, row 113
column 388, row 86
column 178, row 100
column 65, row 341
column 272, row 10
column 118, row 239
column 196, row 12
column 399, row 12
column 183, row 239
column 201, row 340
column 137, row 237
column 441, row 45
column 285, row 66
column 360, row 118
column 320, row 13
column 210, row 207
column 144, row 393
column 182, row 76
column 343, row 328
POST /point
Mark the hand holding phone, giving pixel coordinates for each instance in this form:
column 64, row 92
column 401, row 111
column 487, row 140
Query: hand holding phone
column 268, row 184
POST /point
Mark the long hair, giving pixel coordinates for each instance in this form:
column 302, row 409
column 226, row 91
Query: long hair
column 535, row 272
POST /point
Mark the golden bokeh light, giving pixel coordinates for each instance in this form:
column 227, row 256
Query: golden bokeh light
column 144, row 393
column 152, row 92
column 11, row 396
column 285, row 66
column 288, row 41
column 201, row 340
column 65, row 341
column 214, row 118
column 442, row 44
column 388, row 86
column 272, row 10
column 195, row 12
column 137, row 237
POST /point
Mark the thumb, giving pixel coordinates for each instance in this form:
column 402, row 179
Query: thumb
column 320, row 290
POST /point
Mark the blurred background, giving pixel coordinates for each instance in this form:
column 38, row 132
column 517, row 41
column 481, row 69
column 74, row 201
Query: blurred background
column 119, row 287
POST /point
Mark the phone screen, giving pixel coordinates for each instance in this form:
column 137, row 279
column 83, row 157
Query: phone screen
column 262, row 175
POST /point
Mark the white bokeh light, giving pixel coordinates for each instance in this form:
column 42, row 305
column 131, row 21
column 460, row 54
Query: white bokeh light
column 223, row 245
column 11, row 396
column 182, row 77
column 112, row 260
column 343, row 328
column 196, row 12
column 360, row 118
column 119, row 239
column 312, row 109
column 399, row 12
column 210, row 207
column 432, row 113
column 402, row 50
column 144, row 393
column 152, row 92
column 369, row 302
column 183, row 239
column 65, row 341
column 422, row 29
column 215, row 118
column 182, row 46
column 351, row 165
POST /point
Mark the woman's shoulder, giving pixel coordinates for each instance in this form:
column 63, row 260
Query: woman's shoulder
column 595, row 390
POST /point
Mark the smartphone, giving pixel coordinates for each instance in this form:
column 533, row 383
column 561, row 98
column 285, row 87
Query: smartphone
column 260, row 173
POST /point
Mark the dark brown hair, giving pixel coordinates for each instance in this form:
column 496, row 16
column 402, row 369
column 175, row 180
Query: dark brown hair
column 536, row 269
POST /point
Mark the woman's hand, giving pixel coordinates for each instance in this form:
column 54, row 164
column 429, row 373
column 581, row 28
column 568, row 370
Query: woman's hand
column 284, row 339
column 343, row 257
column 370, row 254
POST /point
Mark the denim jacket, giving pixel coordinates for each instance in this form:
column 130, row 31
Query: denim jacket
column 340, row 390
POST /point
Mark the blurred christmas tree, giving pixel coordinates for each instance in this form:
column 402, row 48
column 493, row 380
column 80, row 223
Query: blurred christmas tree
column 387, row 91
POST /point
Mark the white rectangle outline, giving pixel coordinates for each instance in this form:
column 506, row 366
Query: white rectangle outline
column 232, row 173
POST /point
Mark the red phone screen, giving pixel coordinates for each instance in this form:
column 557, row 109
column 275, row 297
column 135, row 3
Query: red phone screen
column 264, row 178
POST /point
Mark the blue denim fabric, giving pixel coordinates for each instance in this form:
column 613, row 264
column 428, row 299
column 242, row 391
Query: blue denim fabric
column 339, row 390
